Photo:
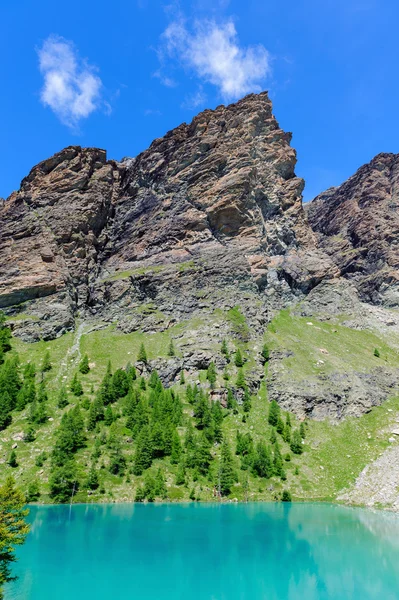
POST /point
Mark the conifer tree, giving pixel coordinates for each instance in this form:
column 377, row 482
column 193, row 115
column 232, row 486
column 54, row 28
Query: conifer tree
column 46, row 365
column 131, row 372
column 182, row 378
column 296, row 442
column 227, row 474
column 142, row 355
column 5, row 410
column 76, row 386
column 143, row 455
column 171, row 349
column 105, row 394
column 225, row 350
column 120, row 384
column 274, row 413
column 108, row 416
column 33, row 492
column 13, row 528
column 238, row 360
column 273, row 437
column 62, row 400
column 157, row 440
column 176, row 448
column 160, row 485
column 231, row 402
column 117, row 461
column 202, row 456
column 302, row 430
column 140, row 494
column 143, row 385
column 64, row 482
column 154, row 379
column 265, row 353
column 84, row 367
column 240, row 382
column 226, row 375
column 247, row 401
column 180, row 474
column 12, row 459
column 42, row 392
column 211, row 374
column 29, row 435
column 217, row 417
column 263, row 463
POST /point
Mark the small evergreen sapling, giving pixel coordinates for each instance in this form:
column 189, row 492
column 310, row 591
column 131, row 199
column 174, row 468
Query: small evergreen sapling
column 84, row 367
column 12, row 460
column 76, row 386
column 142, row 355
column 238, row 360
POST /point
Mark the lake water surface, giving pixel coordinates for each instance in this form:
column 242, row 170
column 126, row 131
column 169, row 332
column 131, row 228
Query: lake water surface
column 208, row 552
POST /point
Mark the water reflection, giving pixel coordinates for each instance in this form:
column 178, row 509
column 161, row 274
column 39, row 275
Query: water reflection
column 204, row 552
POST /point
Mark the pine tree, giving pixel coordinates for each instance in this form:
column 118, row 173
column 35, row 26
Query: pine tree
column 263, row 463
column 142, row 355
column 12, row 460
column 108, row 416
column 202, row 457
column 265, row 353
column 154, row 379
column 240, row 382
column 280, row 426
column 171, row 349
column 84, row 367
column 29, row 435
column 296, row 442
column 13, row 527
column 5, row 410
column 143, row 455
column 76, row 386
column 157, row 440
column 131, row 372
column 140, row 494
column 105, row 394
column 225, row 350
column 160, row 485
column 62, row 400
column 33, row 492
column 182, row 378
column 238, row 360
column 92, row 417
column 247, row 401
column 227, row 474
column 46, row 365
column 42, row 393
column 211, row 374
column 286, row 496
column 176, row 448
column 273, row 437
column 231, row 401
column 143, row 385
column 302, row 430
column 217, row 418
column 63, row 482
column 117, row 463
column 120, row 384
column 226, row 375
column 274, row 413
column 180, row 474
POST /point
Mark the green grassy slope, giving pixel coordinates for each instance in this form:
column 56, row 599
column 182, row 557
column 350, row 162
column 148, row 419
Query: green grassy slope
column 334, row 454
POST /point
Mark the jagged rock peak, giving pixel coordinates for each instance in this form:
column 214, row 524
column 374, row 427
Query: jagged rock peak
column 358, row 225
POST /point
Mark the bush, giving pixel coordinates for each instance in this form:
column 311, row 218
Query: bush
column 286, row 496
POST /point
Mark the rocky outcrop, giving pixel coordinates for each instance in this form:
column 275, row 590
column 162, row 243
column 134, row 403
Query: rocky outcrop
column 213, row 206
column 208, row 221
column 358, row 226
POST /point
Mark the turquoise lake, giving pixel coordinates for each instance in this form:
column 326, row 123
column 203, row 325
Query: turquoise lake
column 208, row 552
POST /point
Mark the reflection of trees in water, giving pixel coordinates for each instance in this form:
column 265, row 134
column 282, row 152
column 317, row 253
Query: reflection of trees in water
column 212, row 552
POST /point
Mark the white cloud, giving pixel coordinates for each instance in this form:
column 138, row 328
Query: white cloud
column 195, row 100
column 213, row 53
column 71, row 89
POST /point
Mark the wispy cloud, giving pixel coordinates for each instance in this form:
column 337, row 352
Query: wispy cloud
column 71, row 88
column 193, row 101
column 213, row 53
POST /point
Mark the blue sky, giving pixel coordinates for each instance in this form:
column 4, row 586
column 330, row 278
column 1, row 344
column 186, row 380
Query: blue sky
column 118, row 74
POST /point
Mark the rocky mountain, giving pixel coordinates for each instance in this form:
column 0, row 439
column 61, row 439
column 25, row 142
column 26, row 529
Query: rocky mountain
column 207, row 229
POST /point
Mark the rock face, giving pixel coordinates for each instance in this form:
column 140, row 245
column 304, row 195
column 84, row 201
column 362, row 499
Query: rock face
column 209, row 218
column 358, row 226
